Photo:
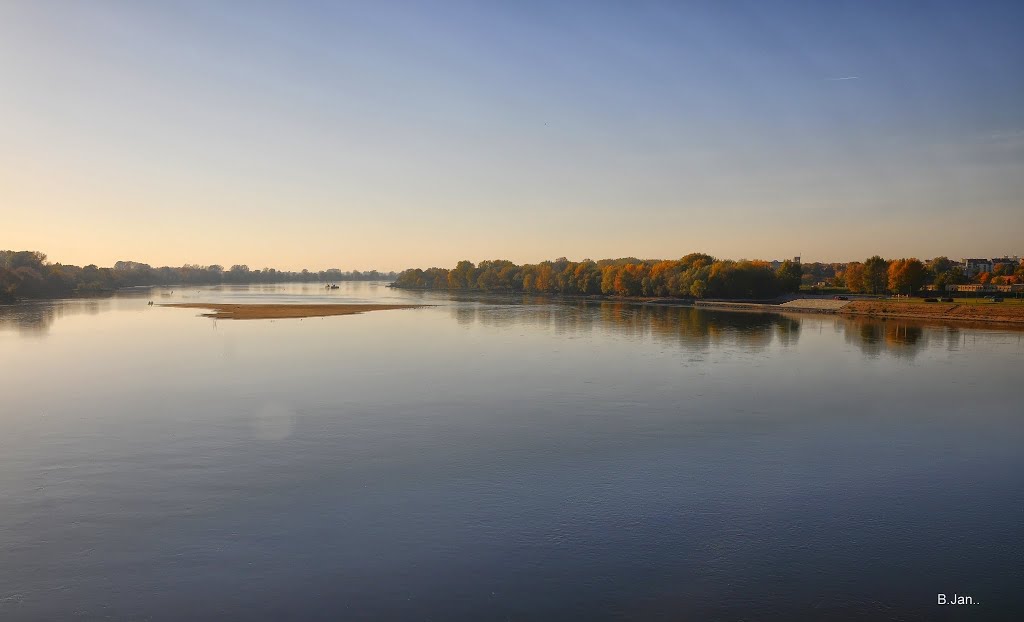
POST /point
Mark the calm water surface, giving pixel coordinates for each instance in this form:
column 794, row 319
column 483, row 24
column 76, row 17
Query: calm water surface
column 490, row 459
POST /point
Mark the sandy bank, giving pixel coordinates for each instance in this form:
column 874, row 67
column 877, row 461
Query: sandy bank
column 1005, row 312
column 274, row 312
column 974, row 312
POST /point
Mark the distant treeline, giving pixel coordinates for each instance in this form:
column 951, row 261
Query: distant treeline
column 703, row 276
column 876, row 275
column 26, row 274
column 694, row 276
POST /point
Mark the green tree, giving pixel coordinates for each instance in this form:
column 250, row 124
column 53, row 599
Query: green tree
column 940, row 265
column 953, row 276
column 876, row 275
column 789, row 274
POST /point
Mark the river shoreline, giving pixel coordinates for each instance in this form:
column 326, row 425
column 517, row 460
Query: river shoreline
column 977, row 313
column 996, row 314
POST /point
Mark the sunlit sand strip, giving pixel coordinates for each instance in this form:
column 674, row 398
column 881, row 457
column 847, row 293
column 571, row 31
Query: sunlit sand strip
column 275, row 312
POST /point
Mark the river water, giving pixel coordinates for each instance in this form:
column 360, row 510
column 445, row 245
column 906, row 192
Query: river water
column 492, row 458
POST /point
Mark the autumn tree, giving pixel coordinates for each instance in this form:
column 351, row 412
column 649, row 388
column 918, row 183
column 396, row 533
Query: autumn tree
column 462, row 277
column 543, row 280
column 488, row 279
column 587, row 277
column 853, row 277
column 905, row 275
column 628, row 280
column 608, row 274
column 696, row 274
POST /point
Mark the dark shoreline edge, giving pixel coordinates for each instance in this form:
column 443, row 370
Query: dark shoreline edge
column 755, row 307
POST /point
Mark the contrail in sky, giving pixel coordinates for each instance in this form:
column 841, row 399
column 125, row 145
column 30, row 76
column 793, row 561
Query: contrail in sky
column 845, row 78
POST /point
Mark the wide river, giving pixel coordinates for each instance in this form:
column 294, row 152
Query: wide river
column 491, row 458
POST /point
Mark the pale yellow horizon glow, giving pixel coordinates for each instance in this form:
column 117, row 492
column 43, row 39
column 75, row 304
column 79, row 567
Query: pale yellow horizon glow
column 102, row 227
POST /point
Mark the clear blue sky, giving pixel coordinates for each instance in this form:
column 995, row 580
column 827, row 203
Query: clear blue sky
column 390, row 135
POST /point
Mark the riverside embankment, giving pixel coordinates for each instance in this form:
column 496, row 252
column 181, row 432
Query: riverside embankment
column 1010, row 312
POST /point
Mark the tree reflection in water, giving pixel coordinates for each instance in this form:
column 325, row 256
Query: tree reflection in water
column 902, row 339
column 698, row 329
column 34, row 319
column 687, row 327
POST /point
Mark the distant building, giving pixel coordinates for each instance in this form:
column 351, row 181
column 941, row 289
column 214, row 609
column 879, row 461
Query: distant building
column 131, row 265
column 977, row 287
column 969, row 287
column 776, row 264
column 976, row 266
